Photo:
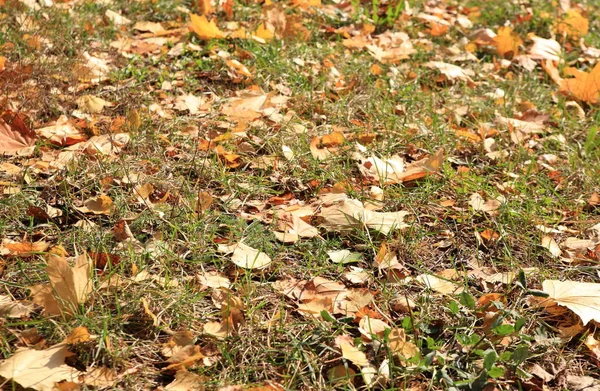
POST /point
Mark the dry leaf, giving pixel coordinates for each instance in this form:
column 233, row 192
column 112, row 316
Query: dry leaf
column 451, row 71
column 62, row 132
column 440, row 285
column 479, row 204
column 101, row 377
column 341, row 213
column 69, row 286
column 78, row 335
column 549, row 243
column 344, row 256
column 507, row 42
column 14, row 308
column 189, row 102
column 204, row 29
column 117, row 19
column 39, row 369
column 15, row 136
column 246, row 257
column 23, row 249
column 186, row 381
column 92, row 104
column 573, row 25
column 583, row 298
column 100, row 205
column 399, row 346
column 584, row 86
column 353, row 354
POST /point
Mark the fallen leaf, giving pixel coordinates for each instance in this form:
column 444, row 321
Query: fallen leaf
column 583, row 298
column 480, row 205
column 354, row 355
column 549, row 243
column 101, row 377
column 15, row 308
column 440, row 285
column 92, row 104
column 452, row 72
column 78, row 335
column 100, row 205
column 573, row 24
column 400, row 347
column 23, row 249
column 39, row 369
column 247, row 257
column 16, row 138
column 69, row 286
column 344, row 256
column 507, row 42
column 341, row 213
column 117, row 19
column 204, row 29
column 62, row 132
column 583, row 86
column 187, row 381
column 189, row 102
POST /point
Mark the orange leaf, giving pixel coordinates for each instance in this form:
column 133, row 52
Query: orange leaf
column 507, row 42
column 573, row 24
column 584, row 86
column 204, row 29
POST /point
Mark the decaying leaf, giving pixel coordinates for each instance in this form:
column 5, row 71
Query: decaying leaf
column 440, row 285
column 354, row 355
column 92, row 104
column 583, row 298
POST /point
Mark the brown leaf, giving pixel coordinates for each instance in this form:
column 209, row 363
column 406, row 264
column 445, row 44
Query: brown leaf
column 186, row 381
column 15, row 136
column 100, row 205
column 24, row 249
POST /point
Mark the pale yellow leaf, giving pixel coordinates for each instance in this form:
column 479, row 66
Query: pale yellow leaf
column 583, row 298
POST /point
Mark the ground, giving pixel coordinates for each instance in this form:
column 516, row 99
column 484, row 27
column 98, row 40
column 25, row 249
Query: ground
column 305, row 194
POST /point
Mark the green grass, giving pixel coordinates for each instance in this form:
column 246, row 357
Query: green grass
column 412, row 115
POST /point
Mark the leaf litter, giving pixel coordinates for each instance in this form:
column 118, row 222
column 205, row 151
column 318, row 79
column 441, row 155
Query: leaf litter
column 380, row 199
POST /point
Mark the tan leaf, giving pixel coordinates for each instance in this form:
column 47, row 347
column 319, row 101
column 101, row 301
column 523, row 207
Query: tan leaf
column 101, row 377
column 549, row 243
column 213, row 280
column 203, row 201
column 187, row 381
column 117, row 19
column 92, row 104
column 105, row 144
column 583, row 298
column 39, row 369
column 341, row 213
column 204, row 29
column 69, row 286
column 354, row 355
column 400, row 347
column 451, row 72
column 440, row 285
column 371, row 326
column 480, row 205
column 249, row 258
column 14, row 308
column 16, row 138
column 100, row 205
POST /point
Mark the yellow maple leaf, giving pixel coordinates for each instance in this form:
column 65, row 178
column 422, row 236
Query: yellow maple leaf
column 204, row 29
column 584, row 86
column 507, row 42
column 573, row 25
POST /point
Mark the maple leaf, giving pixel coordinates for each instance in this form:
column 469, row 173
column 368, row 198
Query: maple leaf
column 507, row 42
column 584, row 86
column 69, row 286
column 204, row 29
column 573, row 24
column 16, row 138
